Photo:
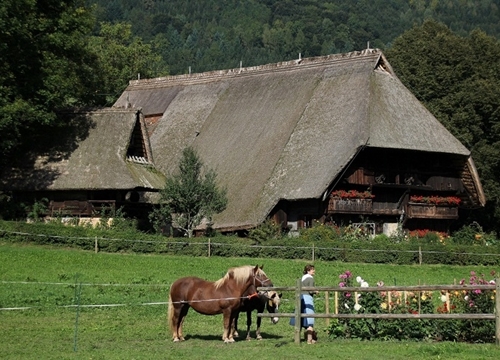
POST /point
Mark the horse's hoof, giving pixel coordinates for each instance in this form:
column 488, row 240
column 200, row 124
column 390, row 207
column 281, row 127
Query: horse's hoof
column 259, row 337
column 235, row 334
column 227, row 341
column 177, row 339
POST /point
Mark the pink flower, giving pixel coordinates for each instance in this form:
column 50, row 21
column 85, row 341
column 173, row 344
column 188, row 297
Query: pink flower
column 348, row 273
column 462, row 281
column 347, row 294
column 342, row 284
column 477, row 291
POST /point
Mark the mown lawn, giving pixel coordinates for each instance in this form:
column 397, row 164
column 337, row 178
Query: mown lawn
column 48, row 279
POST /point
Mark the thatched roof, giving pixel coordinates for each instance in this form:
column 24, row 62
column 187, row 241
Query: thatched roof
column 286, row 130
column 95, row 159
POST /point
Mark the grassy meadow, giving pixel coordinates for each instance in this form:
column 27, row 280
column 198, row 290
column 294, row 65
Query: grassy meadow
column 47, row 281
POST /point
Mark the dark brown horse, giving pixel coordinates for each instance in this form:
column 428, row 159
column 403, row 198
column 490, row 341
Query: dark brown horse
column 210, row 298
column 269, row 300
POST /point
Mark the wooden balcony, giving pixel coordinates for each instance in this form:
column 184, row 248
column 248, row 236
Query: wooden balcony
column 429, row 211
column 79, row 208
column 349, row 206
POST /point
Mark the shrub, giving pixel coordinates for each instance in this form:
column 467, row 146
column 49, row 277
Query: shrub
column 268, row 230
column 320, row 232
column 473, row 234
column 37, row 210
column 467, row 234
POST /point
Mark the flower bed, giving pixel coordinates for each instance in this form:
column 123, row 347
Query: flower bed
column 424, row 302
column 421, row 233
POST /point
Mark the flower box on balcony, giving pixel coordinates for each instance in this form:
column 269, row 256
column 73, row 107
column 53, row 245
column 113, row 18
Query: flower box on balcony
column 343, row 205
column 430, row 211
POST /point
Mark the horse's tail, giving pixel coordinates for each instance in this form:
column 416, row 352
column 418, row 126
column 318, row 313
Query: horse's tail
column 170, row 315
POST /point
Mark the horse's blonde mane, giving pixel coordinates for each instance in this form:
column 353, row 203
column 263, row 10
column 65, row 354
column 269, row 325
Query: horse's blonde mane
column 240, row 275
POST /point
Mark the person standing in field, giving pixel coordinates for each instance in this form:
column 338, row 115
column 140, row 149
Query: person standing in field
column 307, row 303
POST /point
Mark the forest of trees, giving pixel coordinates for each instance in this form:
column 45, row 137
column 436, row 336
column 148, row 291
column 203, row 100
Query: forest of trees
column 217, row 34
column 60, row 54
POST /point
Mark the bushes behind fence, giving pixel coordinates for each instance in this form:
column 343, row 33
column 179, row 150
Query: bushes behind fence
column 379, row 250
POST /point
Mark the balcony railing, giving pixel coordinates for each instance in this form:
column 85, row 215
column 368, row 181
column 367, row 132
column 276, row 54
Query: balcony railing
column 430, row 211
column 79, row 208
column 358, row 206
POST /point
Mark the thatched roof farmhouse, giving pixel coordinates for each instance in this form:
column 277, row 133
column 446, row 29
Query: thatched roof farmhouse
column 283, row 136
column 336, row 138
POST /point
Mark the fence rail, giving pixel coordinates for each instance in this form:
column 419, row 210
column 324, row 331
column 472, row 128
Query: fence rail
column 298, row 289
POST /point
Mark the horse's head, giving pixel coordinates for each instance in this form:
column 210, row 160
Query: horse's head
column 273, row 304
column 261, row 279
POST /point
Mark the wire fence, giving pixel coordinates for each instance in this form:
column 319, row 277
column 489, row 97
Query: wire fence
column 52, row 300
column 80, row 285
column 208, row 247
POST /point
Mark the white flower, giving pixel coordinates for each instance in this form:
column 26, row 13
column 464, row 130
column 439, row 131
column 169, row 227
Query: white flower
column 466, row 297
column 357, row 307
column 443, row 298
column 346, row 306
column 492, row 282
column 364, row 284
column 359, row 279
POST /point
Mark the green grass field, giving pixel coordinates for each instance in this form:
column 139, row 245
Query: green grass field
column 48, row 279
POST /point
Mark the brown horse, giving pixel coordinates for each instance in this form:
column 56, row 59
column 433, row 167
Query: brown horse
column 211, row 298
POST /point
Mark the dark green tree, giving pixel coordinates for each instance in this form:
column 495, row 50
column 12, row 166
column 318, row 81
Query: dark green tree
column 122, row 57
column 189, row 196
column 45, row 66
column 458, row 79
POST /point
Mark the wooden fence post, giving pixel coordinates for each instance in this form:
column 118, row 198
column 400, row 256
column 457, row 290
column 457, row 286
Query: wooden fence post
column 420, row 255
column 96, row 246
column 419, row 299
column 298, row 318
column 497, row 312
column 327, row 307
column 208, row 247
